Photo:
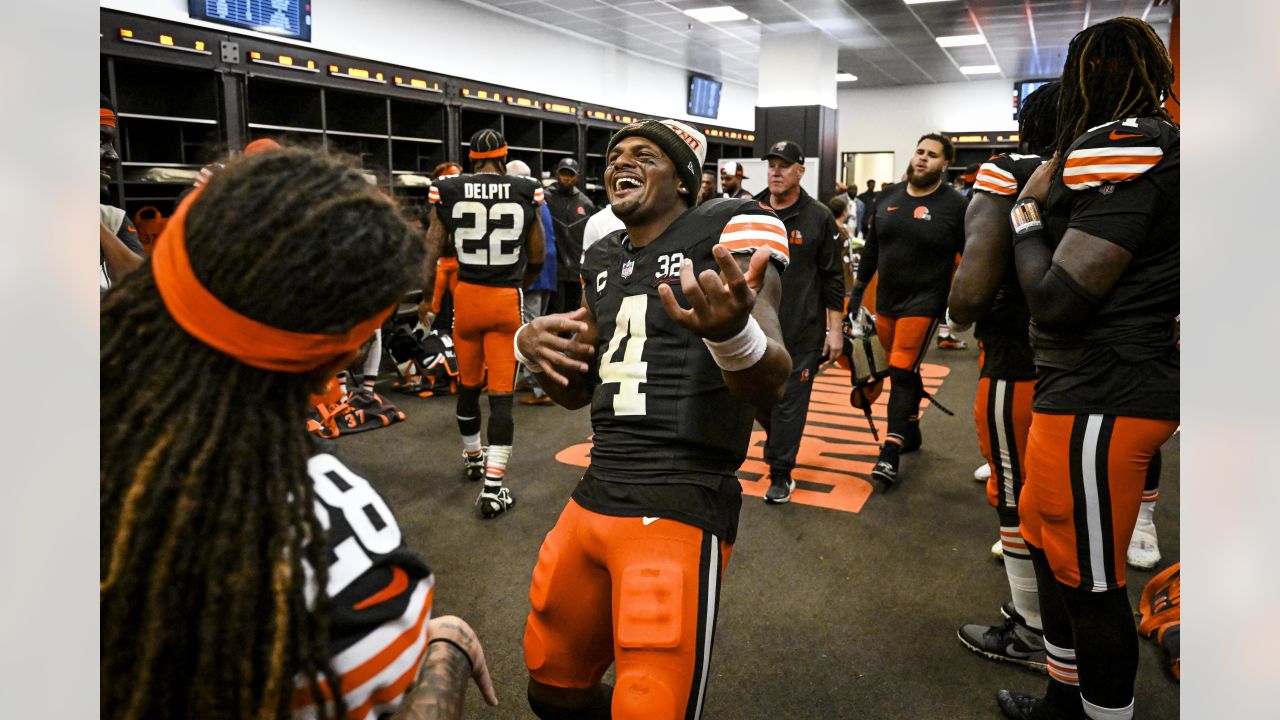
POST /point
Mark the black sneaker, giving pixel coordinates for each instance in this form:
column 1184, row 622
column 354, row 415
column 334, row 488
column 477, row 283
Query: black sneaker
column 1018, row 705
column 473, row 466
column 779, row 490
column 495, row 502
column 886, row 469
column 1011, row 641
column 1021, row 706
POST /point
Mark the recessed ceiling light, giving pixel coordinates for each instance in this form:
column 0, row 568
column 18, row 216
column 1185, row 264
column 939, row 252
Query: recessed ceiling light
column 721, row 13
column 960, row 40
column 845, row 77
column 921, row 2
column 979, row 69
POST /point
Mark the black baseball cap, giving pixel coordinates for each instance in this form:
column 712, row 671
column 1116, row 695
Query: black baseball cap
column 567, row 164
column 787, row 151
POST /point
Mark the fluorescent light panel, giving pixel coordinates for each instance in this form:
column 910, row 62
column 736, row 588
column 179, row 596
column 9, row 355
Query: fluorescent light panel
column 980, row 69
column 720, row 13
column 960, row 40
column 922, row 2
column 845, row 77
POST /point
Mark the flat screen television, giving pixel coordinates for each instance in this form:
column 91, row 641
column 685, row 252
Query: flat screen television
column 1022, row 89
column 286, row 18
column 704, row 96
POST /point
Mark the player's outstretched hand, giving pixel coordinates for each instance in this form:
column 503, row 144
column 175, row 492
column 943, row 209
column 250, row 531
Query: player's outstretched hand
column 457, row 631
column 1037, row 186
column 720, row 303
column 543, row 343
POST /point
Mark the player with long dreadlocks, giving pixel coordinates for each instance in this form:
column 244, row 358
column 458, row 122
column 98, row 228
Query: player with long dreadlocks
column 985, row 289
column 1098, row 266
column 218, row 595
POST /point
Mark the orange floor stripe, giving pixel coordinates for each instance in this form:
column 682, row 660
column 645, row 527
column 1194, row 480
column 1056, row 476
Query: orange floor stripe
column 837, row 451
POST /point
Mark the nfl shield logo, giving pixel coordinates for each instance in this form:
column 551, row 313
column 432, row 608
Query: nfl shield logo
column 627, row 267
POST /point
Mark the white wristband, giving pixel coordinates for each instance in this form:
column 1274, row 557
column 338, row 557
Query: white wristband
column 742, row 350
column 533, row 367
column 955, row 326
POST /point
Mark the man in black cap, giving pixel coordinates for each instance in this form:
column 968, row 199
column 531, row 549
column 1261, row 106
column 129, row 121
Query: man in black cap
column 631, row 573
column 731, row 177
column 570, row 208
column 813, row 295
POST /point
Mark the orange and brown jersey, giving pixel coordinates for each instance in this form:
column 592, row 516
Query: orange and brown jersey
column 488, row 218
column 664, row 421
column 1119, row 182
column 380, row 596
column 1003, row 330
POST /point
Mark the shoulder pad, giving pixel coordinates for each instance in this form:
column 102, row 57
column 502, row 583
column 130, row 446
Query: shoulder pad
column 750, row 225
column 1005, row 173
column 1117, row 151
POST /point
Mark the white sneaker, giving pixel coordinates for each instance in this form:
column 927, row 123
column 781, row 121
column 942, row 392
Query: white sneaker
column 982, row 473
column 997, row 551
column 1144, row 548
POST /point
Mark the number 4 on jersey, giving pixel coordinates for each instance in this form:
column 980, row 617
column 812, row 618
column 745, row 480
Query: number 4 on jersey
column 630, row 370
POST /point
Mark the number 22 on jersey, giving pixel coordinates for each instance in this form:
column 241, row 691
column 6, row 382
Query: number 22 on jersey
column 629, row 370
column 481, row 217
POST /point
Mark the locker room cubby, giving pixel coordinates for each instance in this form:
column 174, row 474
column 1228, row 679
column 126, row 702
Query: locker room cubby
column 161, row 131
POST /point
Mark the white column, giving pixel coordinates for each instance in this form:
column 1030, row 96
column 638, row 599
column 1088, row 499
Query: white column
column 797, row 69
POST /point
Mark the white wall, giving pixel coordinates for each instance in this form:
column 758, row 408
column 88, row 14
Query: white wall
column 894, row 118
column 439, row 36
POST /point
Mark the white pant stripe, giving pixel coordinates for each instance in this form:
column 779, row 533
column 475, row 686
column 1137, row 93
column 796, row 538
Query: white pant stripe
column 1006, row 459
column 709, row 613
column 1093, row 514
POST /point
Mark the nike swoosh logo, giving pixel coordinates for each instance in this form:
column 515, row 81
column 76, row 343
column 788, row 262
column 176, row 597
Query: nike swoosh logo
column 399, row 582
column 1121, row 136
column 891, row 208
column 649, row 520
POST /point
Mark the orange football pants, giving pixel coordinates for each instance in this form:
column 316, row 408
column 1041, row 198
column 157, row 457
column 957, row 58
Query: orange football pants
column 1002, row 414
column 905, row 339
column 485, row 321
column 1085, row 475
column 639, row 592
column 446, row 277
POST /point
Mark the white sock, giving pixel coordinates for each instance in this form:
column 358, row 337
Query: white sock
column 373, row 360
column 1097, row 712
column 343, row 379
column 1147, row 513
column 944, row 329
column 471, row 443
column 1022, row 576
column 495, row 465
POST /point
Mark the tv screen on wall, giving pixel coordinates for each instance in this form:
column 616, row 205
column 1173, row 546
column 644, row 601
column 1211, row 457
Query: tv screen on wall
column 1022, row 89
column 286, row 18
column 704, row 96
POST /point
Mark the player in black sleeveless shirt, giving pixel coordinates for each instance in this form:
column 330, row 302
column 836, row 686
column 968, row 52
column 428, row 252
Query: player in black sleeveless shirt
column 1096, row 248
column 986, row 289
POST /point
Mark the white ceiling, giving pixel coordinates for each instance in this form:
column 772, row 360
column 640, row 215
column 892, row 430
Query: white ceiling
column 883, row 42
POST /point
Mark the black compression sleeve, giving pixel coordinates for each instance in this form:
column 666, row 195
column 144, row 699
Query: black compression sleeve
column 1062, row 304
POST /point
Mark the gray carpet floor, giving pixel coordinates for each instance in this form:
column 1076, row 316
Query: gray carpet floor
column 825, row 613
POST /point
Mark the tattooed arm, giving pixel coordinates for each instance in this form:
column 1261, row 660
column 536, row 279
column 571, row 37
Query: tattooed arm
column 454, row 655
